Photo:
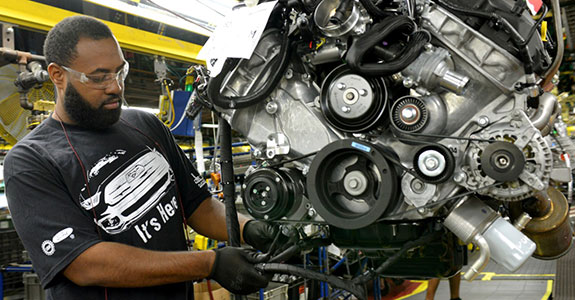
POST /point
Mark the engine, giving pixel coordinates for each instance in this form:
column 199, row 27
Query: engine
column 384, row 125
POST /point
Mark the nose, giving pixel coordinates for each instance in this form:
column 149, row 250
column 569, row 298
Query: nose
column 115, row 87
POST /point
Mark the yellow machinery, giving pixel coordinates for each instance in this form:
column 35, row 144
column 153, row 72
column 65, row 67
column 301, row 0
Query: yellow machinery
column 15, row 120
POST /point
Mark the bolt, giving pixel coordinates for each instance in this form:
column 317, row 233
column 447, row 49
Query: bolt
column 272, row 107
column 428, row 47
column 244, row 186
column 9, row 30
column 289, row 74
column 353, row 183
column 345, row 109
column 431, row 163
column 483, row 121
column 459, row 177
column 263, row 203
column 408, row 82
column 341, row 86
column 266, row 217
column 408, row 113
column 311, row 212
column 503, row 162
column 264, row 194
column 363, row 92
column 417, row 185
column 268, row 188
column 306, row 77
column 278, row 179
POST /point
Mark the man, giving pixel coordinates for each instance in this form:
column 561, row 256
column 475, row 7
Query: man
column 99, row 196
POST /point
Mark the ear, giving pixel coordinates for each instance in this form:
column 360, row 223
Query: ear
column 57, row 75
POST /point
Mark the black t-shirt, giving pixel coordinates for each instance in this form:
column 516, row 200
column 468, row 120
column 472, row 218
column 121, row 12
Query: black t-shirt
column 134, row 170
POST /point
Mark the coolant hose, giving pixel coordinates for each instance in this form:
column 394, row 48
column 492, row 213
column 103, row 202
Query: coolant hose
column 375, row 36
column 481, row 262
column 227, row 167
column 333, row 280
column 232, row 102
column 548, row 76
column 545, row 109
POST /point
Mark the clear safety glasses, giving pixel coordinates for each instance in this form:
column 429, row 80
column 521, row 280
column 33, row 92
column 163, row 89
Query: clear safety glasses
column 100, row 81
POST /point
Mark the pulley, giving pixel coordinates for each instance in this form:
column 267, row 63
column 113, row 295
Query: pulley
column 351, row 183
column 434, row 163
column 409, row 114
column 502, row 161
column 270, row 194
column 351, row 102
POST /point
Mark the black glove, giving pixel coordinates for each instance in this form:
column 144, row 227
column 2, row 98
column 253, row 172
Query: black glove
column 234, row 270
column 260, row 235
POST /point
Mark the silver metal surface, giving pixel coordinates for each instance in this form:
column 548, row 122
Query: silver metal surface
column 354, row 23
column 469, row 218
column 431, row 163
column 417, row 192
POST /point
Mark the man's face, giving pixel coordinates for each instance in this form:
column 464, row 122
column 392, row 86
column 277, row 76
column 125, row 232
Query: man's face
column 88, row 102
column 84, row 115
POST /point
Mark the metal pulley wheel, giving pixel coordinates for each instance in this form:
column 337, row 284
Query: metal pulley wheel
column 351, row 102
column 351, row 183
column 270, row 194
column 434, row 163
column 502, row 161
column 409, row 114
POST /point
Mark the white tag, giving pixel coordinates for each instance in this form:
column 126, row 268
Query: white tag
column 237, row 36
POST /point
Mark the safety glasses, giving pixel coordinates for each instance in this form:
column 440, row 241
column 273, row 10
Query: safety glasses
column 100, row 81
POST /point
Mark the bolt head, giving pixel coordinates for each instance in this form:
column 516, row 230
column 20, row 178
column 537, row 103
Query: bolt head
column 278, row 179
column 345, row 109
column 363, row 92
column 408, row 113
column 268, row 188
column 353, row 183
column 431, row 163
column 341, row 85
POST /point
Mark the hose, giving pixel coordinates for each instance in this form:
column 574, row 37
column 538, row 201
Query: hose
column 375, row 36
column 364, row 278
column 548, row 76
column 348, row 285
column 373, row 10
column 227, row 167
column 232, row 102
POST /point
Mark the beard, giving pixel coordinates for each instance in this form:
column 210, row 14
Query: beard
column 82, row 113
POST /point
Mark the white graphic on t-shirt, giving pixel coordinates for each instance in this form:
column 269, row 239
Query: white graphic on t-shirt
column 62, row 235
column 199, row 180
column 95, row 170
column 49, row 246
column 132, row 190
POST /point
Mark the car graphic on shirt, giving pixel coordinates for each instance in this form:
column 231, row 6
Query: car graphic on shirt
column 132, row 190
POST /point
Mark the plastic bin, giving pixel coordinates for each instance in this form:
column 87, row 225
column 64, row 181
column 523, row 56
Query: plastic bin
column 274, row 291
column 32, row 288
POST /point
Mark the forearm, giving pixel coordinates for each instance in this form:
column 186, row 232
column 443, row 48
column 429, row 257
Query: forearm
column 118, row 265
column 209, row 220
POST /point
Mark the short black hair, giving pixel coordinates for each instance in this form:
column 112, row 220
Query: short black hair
column 61, row 41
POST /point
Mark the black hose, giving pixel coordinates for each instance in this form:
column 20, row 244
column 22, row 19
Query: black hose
column 232, row 102
column 232, row 223
column 375, row 36
column 348, row 285
column 373, row 10
column 364, row 278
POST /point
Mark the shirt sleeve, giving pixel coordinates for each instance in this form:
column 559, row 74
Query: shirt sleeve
column 191, row 184
column 52, row 228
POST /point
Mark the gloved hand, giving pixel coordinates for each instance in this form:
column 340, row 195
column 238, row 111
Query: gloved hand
column 260, row 235
column 234, row 270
